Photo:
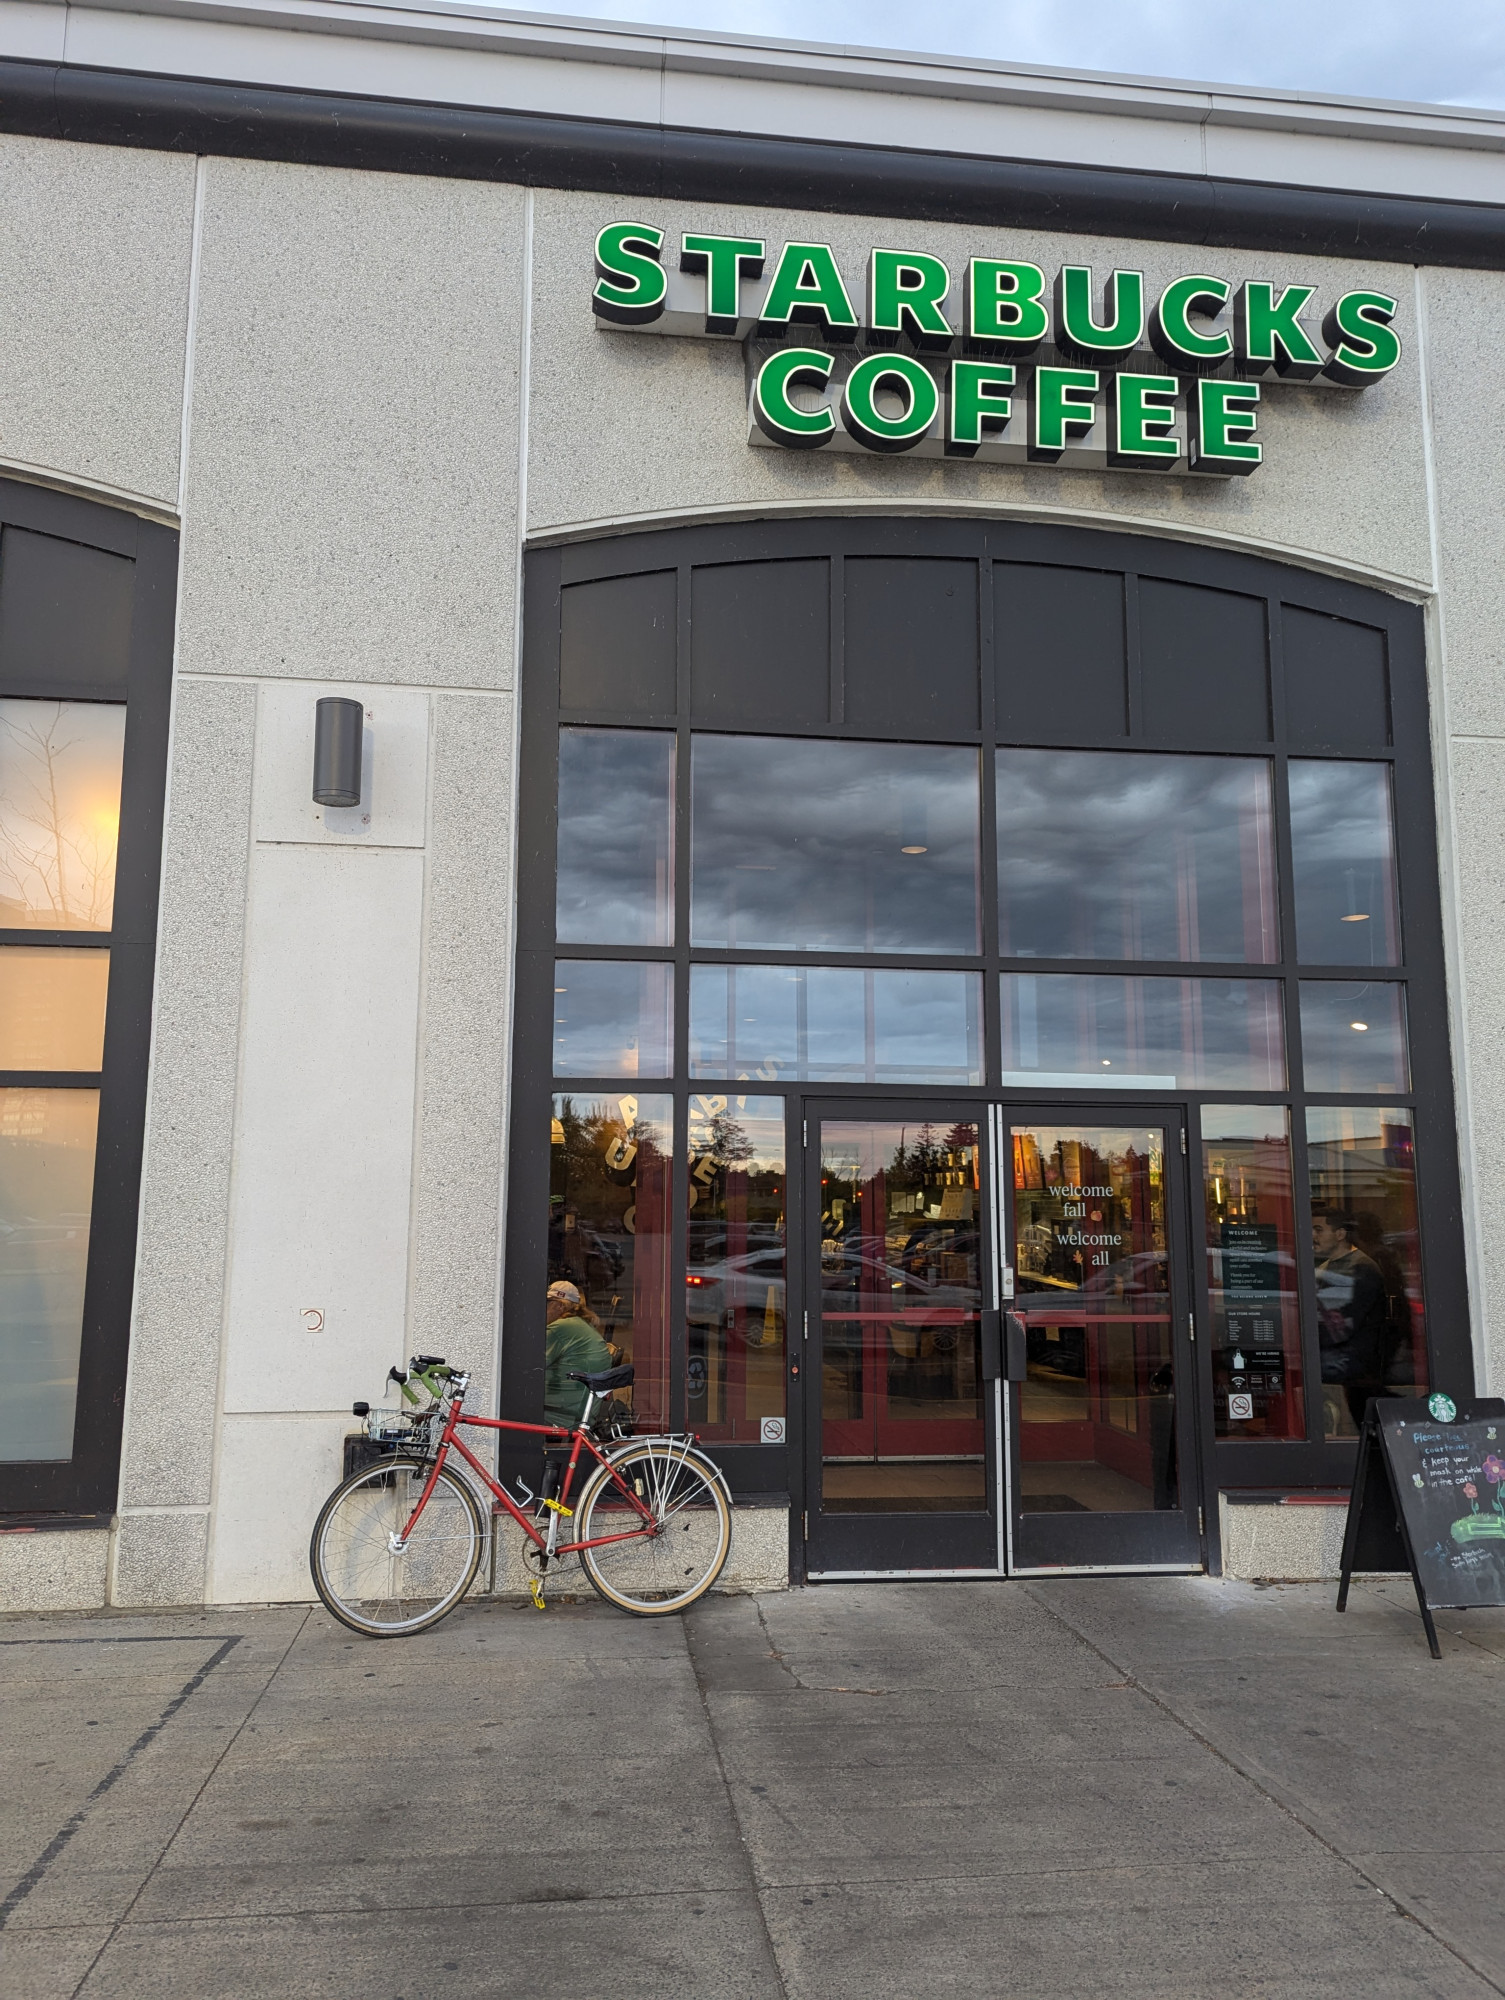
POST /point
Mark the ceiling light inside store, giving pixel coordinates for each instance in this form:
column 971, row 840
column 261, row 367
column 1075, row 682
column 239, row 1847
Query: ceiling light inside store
column 1358, row 917
column 914, row 850
column 1359, row 1027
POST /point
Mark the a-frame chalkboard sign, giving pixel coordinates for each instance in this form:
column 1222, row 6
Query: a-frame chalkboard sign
column 1429, row 1496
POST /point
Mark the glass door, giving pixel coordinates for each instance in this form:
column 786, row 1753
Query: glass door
column 1103, row 1454
column 902, row 1351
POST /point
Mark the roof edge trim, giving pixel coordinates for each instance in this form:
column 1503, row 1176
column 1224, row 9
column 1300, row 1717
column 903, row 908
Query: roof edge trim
column 535, row 149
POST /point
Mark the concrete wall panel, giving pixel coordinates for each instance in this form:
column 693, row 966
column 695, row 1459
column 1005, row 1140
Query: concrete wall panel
column 324, row 1136
column 466, row 1016
column 275, row 1473
column 1478, row 773
column 96, row 245
column 351, row 485
column 180, row 1273
column 1466, row 384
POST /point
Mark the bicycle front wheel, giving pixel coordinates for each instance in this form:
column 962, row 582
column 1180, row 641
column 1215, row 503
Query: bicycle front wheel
column 667, row 1566
column 382, row 1591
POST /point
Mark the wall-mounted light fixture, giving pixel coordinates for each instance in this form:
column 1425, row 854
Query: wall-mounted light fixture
column 339, row 729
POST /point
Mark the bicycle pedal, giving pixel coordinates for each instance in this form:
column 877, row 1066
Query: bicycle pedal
column 535, row 1591
column 558, row 1507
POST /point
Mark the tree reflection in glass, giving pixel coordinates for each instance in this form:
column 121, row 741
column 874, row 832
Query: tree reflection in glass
column 59, row 813
column 1117, row 854
column 798, row 844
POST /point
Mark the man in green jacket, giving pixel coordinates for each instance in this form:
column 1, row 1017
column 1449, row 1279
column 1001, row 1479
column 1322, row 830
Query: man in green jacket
column 573, row 1342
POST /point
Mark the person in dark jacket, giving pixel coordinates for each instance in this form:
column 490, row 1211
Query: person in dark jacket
column 1352, row 1312
column 573, row 1341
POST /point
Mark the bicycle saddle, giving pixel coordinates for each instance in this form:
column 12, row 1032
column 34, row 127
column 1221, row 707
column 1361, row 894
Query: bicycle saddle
column 606, row 1380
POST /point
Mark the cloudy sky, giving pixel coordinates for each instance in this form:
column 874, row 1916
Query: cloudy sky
column 1452, row 53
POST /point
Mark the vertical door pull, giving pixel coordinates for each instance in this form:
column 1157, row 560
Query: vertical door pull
column 1015, row 1348
column 992, row 1346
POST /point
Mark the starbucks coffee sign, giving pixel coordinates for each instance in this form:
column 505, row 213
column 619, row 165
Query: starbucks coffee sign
column 999, row 361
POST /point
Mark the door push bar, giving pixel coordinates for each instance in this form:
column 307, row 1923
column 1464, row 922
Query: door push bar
column 1004, row 1348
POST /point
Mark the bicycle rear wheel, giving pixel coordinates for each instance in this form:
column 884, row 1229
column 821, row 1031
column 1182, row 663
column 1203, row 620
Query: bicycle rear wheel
column 385, row 1593
column 668, row 1568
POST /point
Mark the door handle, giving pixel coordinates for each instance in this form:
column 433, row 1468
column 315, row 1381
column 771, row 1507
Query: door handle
column 1015, row 1348
column 992, row 1346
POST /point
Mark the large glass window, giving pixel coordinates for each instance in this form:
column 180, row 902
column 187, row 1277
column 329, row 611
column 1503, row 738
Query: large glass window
column 1343, row 857
column 60, row 764
column 1115, row 854
column 1251, row 1271
column 610, row 1195
column 798, row 844
column 46, row 1195
column 60, row 780
column 1353, row 1035
column 1075, row 1031
column 613, row 1017
column 52, row 1007
column 835, row 1024
column 615, row 881
column 898, row 808
column 734, row 1272
column 1365, row 1249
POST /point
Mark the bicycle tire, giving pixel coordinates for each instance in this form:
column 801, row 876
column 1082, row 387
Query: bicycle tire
column 650, row 1576
column 375, row 1592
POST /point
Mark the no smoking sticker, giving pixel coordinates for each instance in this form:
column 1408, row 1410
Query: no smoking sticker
column 1240, row 1408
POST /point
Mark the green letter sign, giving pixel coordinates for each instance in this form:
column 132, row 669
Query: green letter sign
column 905, row 294
column 978, row 402
column 1365, row 345
column 725, row 260
column 1222, row 427
column 1267, row 332
column 1122, row 327
column 913, row 384
column 774, row 414
column 630, row 281
column 1005, row 305
column 1139, row 421
column 1064, row 407
column 807, row 286
column 1013, row 364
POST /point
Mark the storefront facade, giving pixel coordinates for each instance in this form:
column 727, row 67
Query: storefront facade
column 934, row 726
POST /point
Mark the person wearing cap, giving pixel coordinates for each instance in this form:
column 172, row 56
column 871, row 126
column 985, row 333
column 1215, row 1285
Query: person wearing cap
column 573, row 1342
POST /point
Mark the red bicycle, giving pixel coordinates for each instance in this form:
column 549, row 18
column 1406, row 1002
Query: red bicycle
column 398, row 1544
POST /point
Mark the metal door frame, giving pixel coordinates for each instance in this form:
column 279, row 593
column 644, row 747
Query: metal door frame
column 995, row 1120
column 825, row 1106
column 1172, row 1117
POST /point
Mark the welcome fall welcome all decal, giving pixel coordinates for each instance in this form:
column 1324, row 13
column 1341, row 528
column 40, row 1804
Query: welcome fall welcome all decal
column 995, row 367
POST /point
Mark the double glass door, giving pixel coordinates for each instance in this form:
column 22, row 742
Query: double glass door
column 996, row 1359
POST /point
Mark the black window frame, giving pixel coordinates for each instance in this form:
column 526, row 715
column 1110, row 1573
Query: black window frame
column 1313, row 1463
column 87, row 1483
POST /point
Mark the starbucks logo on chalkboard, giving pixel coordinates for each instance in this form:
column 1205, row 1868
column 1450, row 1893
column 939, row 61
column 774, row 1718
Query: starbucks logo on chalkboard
column 1443, row 1408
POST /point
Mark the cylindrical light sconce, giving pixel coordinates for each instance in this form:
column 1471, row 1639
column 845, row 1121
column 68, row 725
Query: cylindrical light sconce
column 339, row 731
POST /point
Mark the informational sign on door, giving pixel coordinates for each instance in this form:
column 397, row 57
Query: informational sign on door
column 1250, row 1366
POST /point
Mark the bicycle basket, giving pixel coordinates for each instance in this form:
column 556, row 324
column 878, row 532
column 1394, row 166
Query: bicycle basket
column 612, row 1422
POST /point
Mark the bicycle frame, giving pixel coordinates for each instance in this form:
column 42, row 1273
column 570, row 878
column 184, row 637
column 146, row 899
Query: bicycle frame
column 558, row 1509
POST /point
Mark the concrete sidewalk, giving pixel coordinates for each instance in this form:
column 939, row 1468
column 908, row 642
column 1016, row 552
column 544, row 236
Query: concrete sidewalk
column 1150, row 1787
